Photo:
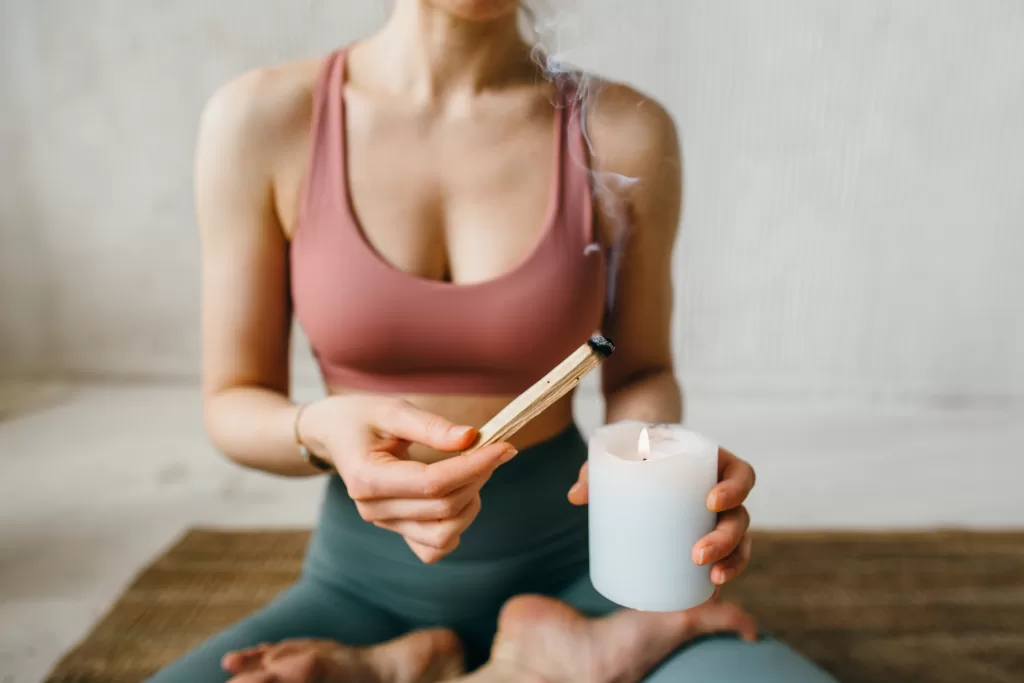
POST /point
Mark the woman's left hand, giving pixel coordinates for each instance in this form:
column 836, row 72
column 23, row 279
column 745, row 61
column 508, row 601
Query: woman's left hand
column 728, row 546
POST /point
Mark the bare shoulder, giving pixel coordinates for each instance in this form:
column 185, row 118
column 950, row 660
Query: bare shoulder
column 635, row 153
column 259, row 112
column 632, row 134
column 247, row 133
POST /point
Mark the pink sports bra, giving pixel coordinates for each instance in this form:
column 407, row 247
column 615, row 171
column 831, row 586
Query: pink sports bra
column 376, row 328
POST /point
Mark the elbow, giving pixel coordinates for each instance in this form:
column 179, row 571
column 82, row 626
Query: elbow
column 653, row 395
column 210, row 412
column 213, row 418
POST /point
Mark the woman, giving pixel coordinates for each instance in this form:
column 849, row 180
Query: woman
column 422, row 202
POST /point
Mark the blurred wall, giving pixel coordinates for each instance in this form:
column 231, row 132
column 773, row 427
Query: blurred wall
column 855, row 211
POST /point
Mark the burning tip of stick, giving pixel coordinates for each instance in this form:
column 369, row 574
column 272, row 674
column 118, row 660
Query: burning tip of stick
column 601, row 345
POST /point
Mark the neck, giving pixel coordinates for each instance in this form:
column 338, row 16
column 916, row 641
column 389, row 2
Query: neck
column 432, row 54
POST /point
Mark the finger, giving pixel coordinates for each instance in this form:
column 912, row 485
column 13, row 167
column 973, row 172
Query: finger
column 429, row 535
column 399, row 418
column 579, row 494
column 437, row 534
column 733, row 565
column 736, row 479
column 381, row 475
column 724, row 539
column 420, row 509
column 721, row 617
column 429, row 555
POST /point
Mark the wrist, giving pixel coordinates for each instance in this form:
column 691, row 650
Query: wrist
column 308, row 436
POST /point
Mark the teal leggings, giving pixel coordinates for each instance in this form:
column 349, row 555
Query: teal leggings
column 361, row 585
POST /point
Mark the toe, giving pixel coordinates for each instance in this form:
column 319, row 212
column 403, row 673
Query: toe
column 300, row 667
column 241, row 660
column 231, row 662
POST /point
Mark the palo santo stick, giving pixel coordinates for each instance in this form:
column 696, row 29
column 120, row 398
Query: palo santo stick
column 542, row 395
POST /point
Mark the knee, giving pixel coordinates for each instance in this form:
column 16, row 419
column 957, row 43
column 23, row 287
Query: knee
column 726, row 659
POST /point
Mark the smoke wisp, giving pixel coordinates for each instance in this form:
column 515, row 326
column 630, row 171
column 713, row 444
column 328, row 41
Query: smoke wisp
column 558, row 49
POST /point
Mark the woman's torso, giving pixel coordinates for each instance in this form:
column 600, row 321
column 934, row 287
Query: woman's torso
column 451, row 195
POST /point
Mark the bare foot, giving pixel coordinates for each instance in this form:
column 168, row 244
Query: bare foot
column 419, row 657
column 541, row 640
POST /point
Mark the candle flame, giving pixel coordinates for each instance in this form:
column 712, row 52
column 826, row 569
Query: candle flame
column 645, row 444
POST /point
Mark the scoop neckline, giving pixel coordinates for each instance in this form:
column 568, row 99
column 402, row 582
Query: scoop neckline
column 549, row 222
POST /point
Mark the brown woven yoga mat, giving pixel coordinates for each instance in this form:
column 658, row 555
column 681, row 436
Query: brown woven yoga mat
column 918, row 607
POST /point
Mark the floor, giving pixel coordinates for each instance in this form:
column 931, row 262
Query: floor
column 96, row 479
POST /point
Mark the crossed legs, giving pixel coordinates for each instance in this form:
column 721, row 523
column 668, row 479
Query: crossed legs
column 539, row 640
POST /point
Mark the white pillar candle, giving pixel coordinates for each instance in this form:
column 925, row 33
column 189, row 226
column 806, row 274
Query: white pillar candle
column 648, row 508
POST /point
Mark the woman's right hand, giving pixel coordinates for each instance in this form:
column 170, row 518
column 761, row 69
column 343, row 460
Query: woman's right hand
column 367, row 439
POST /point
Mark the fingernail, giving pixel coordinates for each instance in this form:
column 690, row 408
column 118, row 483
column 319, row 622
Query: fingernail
column 702, row 556
column 718, row 576
column 508, row 454
column 460, row 431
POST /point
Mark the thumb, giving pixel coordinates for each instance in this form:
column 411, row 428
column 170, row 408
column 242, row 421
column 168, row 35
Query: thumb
column 400, row 419
column 579, row 494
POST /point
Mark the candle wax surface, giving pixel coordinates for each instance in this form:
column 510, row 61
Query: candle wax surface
column 662, row 442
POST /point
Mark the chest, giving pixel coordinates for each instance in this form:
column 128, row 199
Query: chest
column 459, row 197
column 452, row 245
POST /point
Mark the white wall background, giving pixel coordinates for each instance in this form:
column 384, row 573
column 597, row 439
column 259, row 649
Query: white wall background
column 855, row 220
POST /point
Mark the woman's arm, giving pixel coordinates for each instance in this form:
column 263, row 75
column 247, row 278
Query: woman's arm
column 634, row 138
column 246, row 316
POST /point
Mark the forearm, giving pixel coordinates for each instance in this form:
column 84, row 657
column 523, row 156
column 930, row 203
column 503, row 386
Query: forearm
column 255, row 427
column 651, row 397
